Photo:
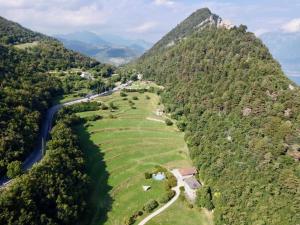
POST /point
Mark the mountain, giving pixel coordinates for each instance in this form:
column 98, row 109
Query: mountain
column 285, row 47
column 109, row 48
column 85, row 37
column 240, row 114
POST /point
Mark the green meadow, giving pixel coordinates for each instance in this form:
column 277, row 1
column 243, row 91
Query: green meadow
column 127, row 142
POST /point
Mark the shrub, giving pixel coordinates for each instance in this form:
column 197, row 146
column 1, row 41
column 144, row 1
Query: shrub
column 111, row 116
column 104, row 107
column 147, row 97
column 93, row 118
column 124, row 99
column 167, row 197
column 182, row 189
column 150, row 206
column 135, row 98
column 14, row 169
column 169, row 122
column 204, row 198
column 148, row 175
column 160, row 169
column 171, row 181
column 112, row 106
column 129, row 221
column 123, row 94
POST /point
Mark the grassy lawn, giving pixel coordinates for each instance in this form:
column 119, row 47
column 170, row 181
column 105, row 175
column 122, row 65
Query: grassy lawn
column 71, row 96
column 120, row 150
column 27, row 45
column 144, row 85
column 179, row 214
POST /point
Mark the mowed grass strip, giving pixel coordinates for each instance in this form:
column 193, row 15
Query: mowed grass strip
column 120, row 150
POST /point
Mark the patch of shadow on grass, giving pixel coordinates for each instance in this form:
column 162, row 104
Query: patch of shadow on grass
column 99, row 199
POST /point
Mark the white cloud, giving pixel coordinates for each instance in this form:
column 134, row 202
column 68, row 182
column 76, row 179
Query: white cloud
column 292, row 26
column 164, row 2
column 145, row 27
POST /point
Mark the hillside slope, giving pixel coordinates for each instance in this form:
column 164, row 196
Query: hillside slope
column 240, row 115
column 26, row 90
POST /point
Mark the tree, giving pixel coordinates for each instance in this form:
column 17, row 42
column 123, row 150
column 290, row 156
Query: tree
column 14, row 169
column 168, row 122
column 204, row 198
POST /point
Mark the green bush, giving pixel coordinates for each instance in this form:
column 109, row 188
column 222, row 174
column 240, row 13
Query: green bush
column 148, row 175
column 168, row 122
column 93, row 118
column 204, row 198
column 167, row 197
column 150, row 206
column 104, row 107
column 123, row 94
column 112, row 106
column 171, row 180
column 147, row 97
column 135, row 98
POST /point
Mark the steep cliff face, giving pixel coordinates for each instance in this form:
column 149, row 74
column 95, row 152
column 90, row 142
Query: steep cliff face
column 240, row 115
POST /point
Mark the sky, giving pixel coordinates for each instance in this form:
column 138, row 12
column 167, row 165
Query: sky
column 146, row 19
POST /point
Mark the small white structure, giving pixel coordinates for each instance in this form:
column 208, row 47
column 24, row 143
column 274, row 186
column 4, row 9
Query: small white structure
column 146, row 188
column 159, row 112
column 291, row 87
column 191, row 185
column 87, row 75
column 140, row 76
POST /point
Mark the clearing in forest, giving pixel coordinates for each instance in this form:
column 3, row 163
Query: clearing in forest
column 120, row 148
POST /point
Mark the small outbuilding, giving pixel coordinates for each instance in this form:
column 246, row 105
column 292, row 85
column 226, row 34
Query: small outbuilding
column 146, row 188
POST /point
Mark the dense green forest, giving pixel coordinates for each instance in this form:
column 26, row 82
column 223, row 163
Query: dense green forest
column 54, row 191
column 27, row 89
column 241, row 118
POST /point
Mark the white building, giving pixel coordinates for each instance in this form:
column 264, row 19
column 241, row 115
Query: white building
column 140, row 76
column 87, row 75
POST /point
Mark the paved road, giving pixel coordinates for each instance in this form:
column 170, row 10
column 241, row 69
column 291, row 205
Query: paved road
column 171, row 202
column 46, row 127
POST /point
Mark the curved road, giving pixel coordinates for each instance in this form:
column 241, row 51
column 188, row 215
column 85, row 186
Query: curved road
column 173, row 200
column 46, row 127
column 160, row 210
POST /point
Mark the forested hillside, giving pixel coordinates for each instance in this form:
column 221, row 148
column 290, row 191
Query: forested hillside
column 26, row 90
column 241, row 118
column 54, row 191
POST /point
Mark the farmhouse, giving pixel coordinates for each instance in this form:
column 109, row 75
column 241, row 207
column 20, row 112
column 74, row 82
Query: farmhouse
column 191, row 185
column 187, row 172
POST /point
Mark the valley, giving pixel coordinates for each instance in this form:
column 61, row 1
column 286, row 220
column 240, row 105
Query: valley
column 201, row 129
column 120, row 148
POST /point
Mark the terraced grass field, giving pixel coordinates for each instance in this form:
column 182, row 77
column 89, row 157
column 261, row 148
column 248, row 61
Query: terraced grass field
column 120, row 148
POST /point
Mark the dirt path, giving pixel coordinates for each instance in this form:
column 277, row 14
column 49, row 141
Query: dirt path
column 171, row 202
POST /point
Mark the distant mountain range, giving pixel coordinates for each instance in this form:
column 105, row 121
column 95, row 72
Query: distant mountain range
column 106, row 48
column 285, row 47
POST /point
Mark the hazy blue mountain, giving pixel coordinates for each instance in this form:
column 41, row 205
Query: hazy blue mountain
column 83, row 36
column 107, row 48
column 117, row 40
column 285, row 47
